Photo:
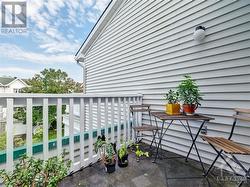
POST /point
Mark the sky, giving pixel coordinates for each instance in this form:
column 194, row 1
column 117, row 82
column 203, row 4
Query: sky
column 55, row 31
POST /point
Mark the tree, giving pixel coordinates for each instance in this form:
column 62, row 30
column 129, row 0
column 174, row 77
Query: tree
column 48, row 81
column 53, row 81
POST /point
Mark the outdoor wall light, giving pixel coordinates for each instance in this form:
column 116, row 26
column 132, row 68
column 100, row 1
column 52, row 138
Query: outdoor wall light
column 199, row 33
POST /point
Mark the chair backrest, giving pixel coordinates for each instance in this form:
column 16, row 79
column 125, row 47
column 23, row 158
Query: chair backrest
column 241, row 114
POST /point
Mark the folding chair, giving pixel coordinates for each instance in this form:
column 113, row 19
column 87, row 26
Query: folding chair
column 138, row 129
column 225, row 147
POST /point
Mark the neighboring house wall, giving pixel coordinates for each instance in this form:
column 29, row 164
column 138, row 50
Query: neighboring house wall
column 148, row 46
column 13, row 86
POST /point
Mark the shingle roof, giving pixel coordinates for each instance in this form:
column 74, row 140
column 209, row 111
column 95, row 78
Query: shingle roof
column 6, row 80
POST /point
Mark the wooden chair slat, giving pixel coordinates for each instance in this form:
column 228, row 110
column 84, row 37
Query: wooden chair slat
column 228, row 146
column 145, row 127
column 241, row 117
column 242, row 110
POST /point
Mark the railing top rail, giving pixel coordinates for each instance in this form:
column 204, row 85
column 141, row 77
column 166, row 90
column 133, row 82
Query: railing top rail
column 71, row 95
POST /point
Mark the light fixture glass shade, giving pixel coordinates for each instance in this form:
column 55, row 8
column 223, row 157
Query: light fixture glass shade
column 199, row 34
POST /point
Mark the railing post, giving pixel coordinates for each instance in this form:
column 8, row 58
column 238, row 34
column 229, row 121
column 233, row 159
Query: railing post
column 128, row 120
column 90, row 130
column 99, row 116
column 82, row 129
column 59, row 126
column 29, row 125
column 112, row 120
column 106, row 118
column 71, row 132
column 9, row 134
column 124, row 120
column 45, row 129
column 119, row 123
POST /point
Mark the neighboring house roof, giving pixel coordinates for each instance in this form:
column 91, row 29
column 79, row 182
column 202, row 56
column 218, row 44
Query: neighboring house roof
column 6, row 81
column 106, row 16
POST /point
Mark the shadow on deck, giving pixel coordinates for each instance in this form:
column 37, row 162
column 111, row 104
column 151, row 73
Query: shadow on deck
column 171, row 172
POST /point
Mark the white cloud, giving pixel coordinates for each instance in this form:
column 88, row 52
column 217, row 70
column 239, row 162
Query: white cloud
column 16, row 53
column 18, row 72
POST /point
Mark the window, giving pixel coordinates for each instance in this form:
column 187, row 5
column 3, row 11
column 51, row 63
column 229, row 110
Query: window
column 15, row 90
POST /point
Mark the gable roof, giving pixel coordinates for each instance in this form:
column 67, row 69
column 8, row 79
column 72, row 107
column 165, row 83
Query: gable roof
column 6, row 81
column 99, row 26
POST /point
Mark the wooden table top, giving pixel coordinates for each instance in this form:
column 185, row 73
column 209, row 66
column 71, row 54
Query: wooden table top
column 164, row 116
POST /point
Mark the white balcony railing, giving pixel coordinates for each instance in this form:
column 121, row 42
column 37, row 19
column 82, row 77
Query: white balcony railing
column 93, row 114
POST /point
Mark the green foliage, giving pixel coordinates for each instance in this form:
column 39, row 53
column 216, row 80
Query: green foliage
column 189, row 91
column 106, row 150
column 172, row 97
column 53, row 81
column 139, row 153
column 48, row 81
column 30, row 171
column 123, row 150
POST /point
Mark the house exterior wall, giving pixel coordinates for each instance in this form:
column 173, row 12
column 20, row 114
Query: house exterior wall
column 148, row 46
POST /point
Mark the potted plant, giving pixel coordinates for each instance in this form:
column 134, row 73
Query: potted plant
column 172, row 107
column 190, row 95
column 123, row 155
column 107, row 153
column 139, row 153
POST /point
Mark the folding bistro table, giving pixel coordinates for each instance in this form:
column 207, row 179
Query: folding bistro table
column 184, row 121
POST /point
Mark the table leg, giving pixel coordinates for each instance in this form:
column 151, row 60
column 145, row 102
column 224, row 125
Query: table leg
column 193, row 140
column 194, row 144
column 162, row 133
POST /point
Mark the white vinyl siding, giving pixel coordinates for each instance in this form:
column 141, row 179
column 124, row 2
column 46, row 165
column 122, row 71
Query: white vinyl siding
column 148, row 46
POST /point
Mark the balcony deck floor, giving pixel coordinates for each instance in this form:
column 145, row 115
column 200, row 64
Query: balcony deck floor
column 172, row 172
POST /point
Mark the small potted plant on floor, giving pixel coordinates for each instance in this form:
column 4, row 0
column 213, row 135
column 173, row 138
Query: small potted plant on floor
column 172, row 107
column 139, row 153
column 123, row 155
column 190, row 95
column 107, row 153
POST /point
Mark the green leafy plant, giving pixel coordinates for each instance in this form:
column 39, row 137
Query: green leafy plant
column 33, row 172
column 172, row 97
column 106, row 150
column 123, row 150
column 189, row 91
column 139, row 153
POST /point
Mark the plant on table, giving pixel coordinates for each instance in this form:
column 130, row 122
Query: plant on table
column 190, row 95
column 107, row 153
column 172, row 107
column 33, row 172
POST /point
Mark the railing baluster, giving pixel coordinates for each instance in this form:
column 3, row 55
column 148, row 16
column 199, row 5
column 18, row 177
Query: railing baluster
column 9, row 135
column 119, row 123
column 106, row 117
column 71, row 132
column 45, row 129
column 59, row 126
column 82, row 129
column 124, row 120
column 29, row 124
column 112, row 120
column 128, row 119
column 99, row 114
column 134, row 119
column 90, row 129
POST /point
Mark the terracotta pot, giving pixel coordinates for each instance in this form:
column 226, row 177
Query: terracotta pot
column 189, row 109
column 173, row 109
